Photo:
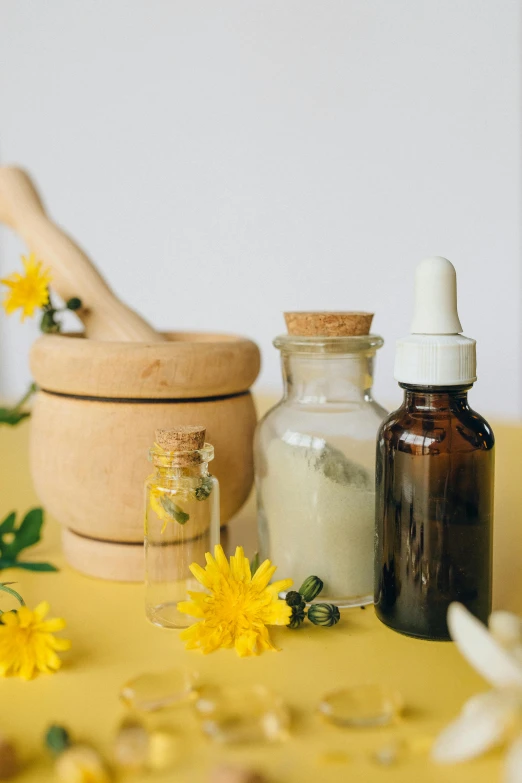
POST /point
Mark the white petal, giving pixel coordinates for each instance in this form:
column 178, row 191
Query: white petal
column 502, row 700
column 506, row 627
column 513, row 768
column 481, row 650
column 482, row 724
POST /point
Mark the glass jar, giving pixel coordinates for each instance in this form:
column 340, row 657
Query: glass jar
column 181, row 524
column 315, row 466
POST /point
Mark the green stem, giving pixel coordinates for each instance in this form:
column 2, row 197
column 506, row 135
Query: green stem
column 6, row 589
column 29, row 393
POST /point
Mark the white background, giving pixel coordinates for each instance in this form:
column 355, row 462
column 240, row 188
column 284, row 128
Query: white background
column 223, row 162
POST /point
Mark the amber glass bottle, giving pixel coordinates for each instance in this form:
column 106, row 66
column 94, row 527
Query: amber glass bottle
column 434, row 473
column 434, row 492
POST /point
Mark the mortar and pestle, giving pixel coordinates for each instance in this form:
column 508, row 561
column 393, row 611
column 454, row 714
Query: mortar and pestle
column 102, row 394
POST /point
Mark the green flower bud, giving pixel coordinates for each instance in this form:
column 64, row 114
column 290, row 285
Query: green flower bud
column 323, row 614
column 311, row 588
column 293, row 598
column 57, row 739
column 297, row 617
column 73, row 303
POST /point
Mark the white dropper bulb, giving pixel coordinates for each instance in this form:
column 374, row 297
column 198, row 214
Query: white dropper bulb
column 435, row 309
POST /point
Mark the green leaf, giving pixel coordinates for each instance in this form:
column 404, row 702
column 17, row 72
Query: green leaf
column 254, row 563
column 7, row 526
column 15, row 414
column 26, row 535
column 174, row 511
column 11, row 416
column 34, row 566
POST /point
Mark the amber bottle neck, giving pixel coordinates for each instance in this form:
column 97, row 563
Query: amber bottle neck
column 423, row 399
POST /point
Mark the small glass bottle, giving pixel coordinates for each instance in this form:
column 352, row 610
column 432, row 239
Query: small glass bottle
column 315, row 457
column 435, row 466
column 181, row 521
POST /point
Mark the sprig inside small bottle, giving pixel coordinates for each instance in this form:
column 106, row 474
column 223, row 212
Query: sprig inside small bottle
column 169, row 511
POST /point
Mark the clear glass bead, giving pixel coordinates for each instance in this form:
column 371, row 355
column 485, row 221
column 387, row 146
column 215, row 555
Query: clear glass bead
column 137, row 748
column 131, row 746
column 362, row 706
column 242, row 715
column 157, row 690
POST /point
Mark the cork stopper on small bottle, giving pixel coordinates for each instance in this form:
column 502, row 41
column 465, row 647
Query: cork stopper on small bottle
column 324, row 324
column 183, row 438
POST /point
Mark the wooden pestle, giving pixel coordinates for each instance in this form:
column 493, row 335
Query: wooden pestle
column 105, row 317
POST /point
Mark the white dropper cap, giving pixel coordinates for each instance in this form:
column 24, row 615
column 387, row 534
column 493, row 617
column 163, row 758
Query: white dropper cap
column 435, row 354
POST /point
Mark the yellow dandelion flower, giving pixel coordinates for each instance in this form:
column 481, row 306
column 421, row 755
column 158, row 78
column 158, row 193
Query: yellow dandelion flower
column 27, row 292
column 27, row 644
column 237, row 607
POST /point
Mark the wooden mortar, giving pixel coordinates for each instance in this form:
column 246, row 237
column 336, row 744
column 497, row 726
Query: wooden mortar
column 94, row 420
column 102, row 399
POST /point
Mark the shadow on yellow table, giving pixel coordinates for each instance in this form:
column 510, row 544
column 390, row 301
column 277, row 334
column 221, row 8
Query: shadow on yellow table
column 112, row 642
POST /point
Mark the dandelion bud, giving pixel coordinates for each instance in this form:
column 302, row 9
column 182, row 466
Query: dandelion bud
column 324, row 614
column 311, row 588
column 293, row 598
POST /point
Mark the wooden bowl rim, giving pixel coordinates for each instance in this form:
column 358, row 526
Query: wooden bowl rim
column 188, row 365
column 173, row 338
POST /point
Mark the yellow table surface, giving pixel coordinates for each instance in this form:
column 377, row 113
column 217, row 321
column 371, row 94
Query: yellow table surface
column 112, row 642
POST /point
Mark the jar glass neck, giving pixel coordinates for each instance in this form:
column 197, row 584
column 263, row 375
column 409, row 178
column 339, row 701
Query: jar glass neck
column 174, row 471
column 181, row 464
column 333, row 378
column 425, row 399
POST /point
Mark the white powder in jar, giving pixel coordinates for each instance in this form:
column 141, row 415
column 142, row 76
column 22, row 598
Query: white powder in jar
column 319, row 509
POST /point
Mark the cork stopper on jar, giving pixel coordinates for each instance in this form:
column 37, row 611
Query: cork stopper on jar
column 317, row 324
column 183, row 438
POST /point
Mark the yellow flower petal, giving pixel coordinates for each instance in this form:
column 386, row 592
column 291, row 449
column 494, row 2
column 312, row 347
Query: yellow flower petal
column 25, row 617
column 51, row 626
column 221, row 560
column 246, row 644
column 279, row 613
column 200, row 574
column 279, row 587
column 191, row 608
column 41, row 611
column 9, row 618
column 239, row 566
column 59, row 644
column 264, row 574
